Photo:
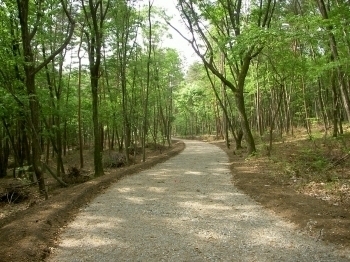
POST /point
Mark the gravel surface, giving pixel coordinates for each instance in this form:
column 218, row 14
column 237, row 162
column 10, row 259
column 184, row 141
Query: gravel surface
column 185, row 209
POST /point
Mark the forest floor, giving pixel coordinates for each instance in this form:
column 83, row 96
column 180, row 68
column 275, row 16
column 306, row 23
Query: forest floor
column 304, row 180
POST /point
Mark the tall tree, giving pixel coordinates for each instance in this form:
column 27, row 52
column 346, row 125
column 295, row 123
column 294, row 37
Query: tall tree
column 146, row 97
column 237, row 31
column 344, row 88
column 95, row 14
column 123, row 35
column 26, row 10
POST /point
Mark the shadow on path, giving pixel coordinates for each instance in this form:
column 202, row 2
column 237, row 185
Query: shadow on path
column 185, row 209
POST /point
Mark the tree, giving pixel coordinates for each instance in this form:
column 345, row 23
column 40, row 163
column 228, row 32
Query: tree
column 95, row 14
column 31, row 69
column 123, row 34
column 237, row 31
column 335, row 57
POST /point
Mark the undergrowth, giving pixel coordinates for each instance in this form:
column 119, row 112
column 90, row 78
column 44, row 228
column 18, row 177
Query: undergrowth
column 316, row 165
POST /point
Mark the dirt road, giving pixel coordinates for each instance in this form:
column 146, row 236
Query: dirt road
column 185, row 209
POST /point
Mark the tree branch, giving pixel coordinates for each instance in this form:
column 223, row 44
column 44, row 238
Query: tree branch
column 65, row 43
column 38, row 16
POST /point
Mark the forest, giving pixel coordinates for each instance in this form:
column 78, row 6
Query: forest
column 90, row 92
column 94, row 74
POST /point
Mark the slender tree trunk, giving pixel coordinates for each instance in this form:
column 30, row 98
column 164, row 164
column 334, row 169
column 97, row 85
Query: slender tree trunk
column 4, row 153
column 322, row 106
column 335, row 56
column 335, row 105
column 273, row 115
column 145, row 120
column 225, row 118
column 34, row 122
column 96, row 123
column 60, row 166
column 80, row 135
column 307, row 119
column 95, row 15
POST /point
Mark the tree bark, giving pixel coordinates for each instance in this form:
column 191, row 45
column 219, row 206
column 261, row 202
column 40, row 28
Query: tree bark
column 239, row 97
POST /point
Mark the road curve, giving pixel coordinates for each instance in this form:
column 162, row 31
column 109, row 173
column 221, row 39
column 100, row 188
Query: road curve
column 185, row 209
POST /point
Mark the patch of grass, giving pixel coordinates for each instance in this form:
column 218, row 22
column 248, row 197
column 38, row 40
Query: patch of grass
column 311, row 161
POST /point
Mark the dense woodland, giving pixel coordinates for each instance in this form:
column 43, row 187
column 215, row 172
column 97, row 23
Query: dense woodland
column 95, row 74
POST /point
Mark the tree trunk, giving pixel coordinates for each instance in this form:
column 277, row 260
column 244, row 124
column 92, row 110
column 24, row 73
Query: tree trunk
column 96, row 124
column 29, row 71
column 4, row 153
column 307, row 119
column 335, row 105
column 145, row 120
column 95, row 15
column 324, row 112
column 80, row 134
column 34, row 122
column 239, row 96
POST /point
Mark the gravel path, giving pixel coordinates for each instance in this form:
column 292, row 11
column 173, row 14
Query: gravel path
column 185, row 209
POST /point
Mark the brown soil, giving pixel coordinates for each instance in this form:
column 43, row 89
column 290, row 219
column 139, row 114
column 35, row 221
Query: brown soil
column 291, row 183
column 29, row 229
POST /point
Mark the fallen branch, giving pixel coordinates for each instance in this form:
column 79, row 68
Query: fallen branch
column 338, row 162
column 62, row 183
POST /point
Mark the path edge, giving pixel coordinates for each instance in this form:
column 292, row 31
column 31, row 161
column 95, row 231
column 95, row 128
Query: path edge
column 35, row 242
